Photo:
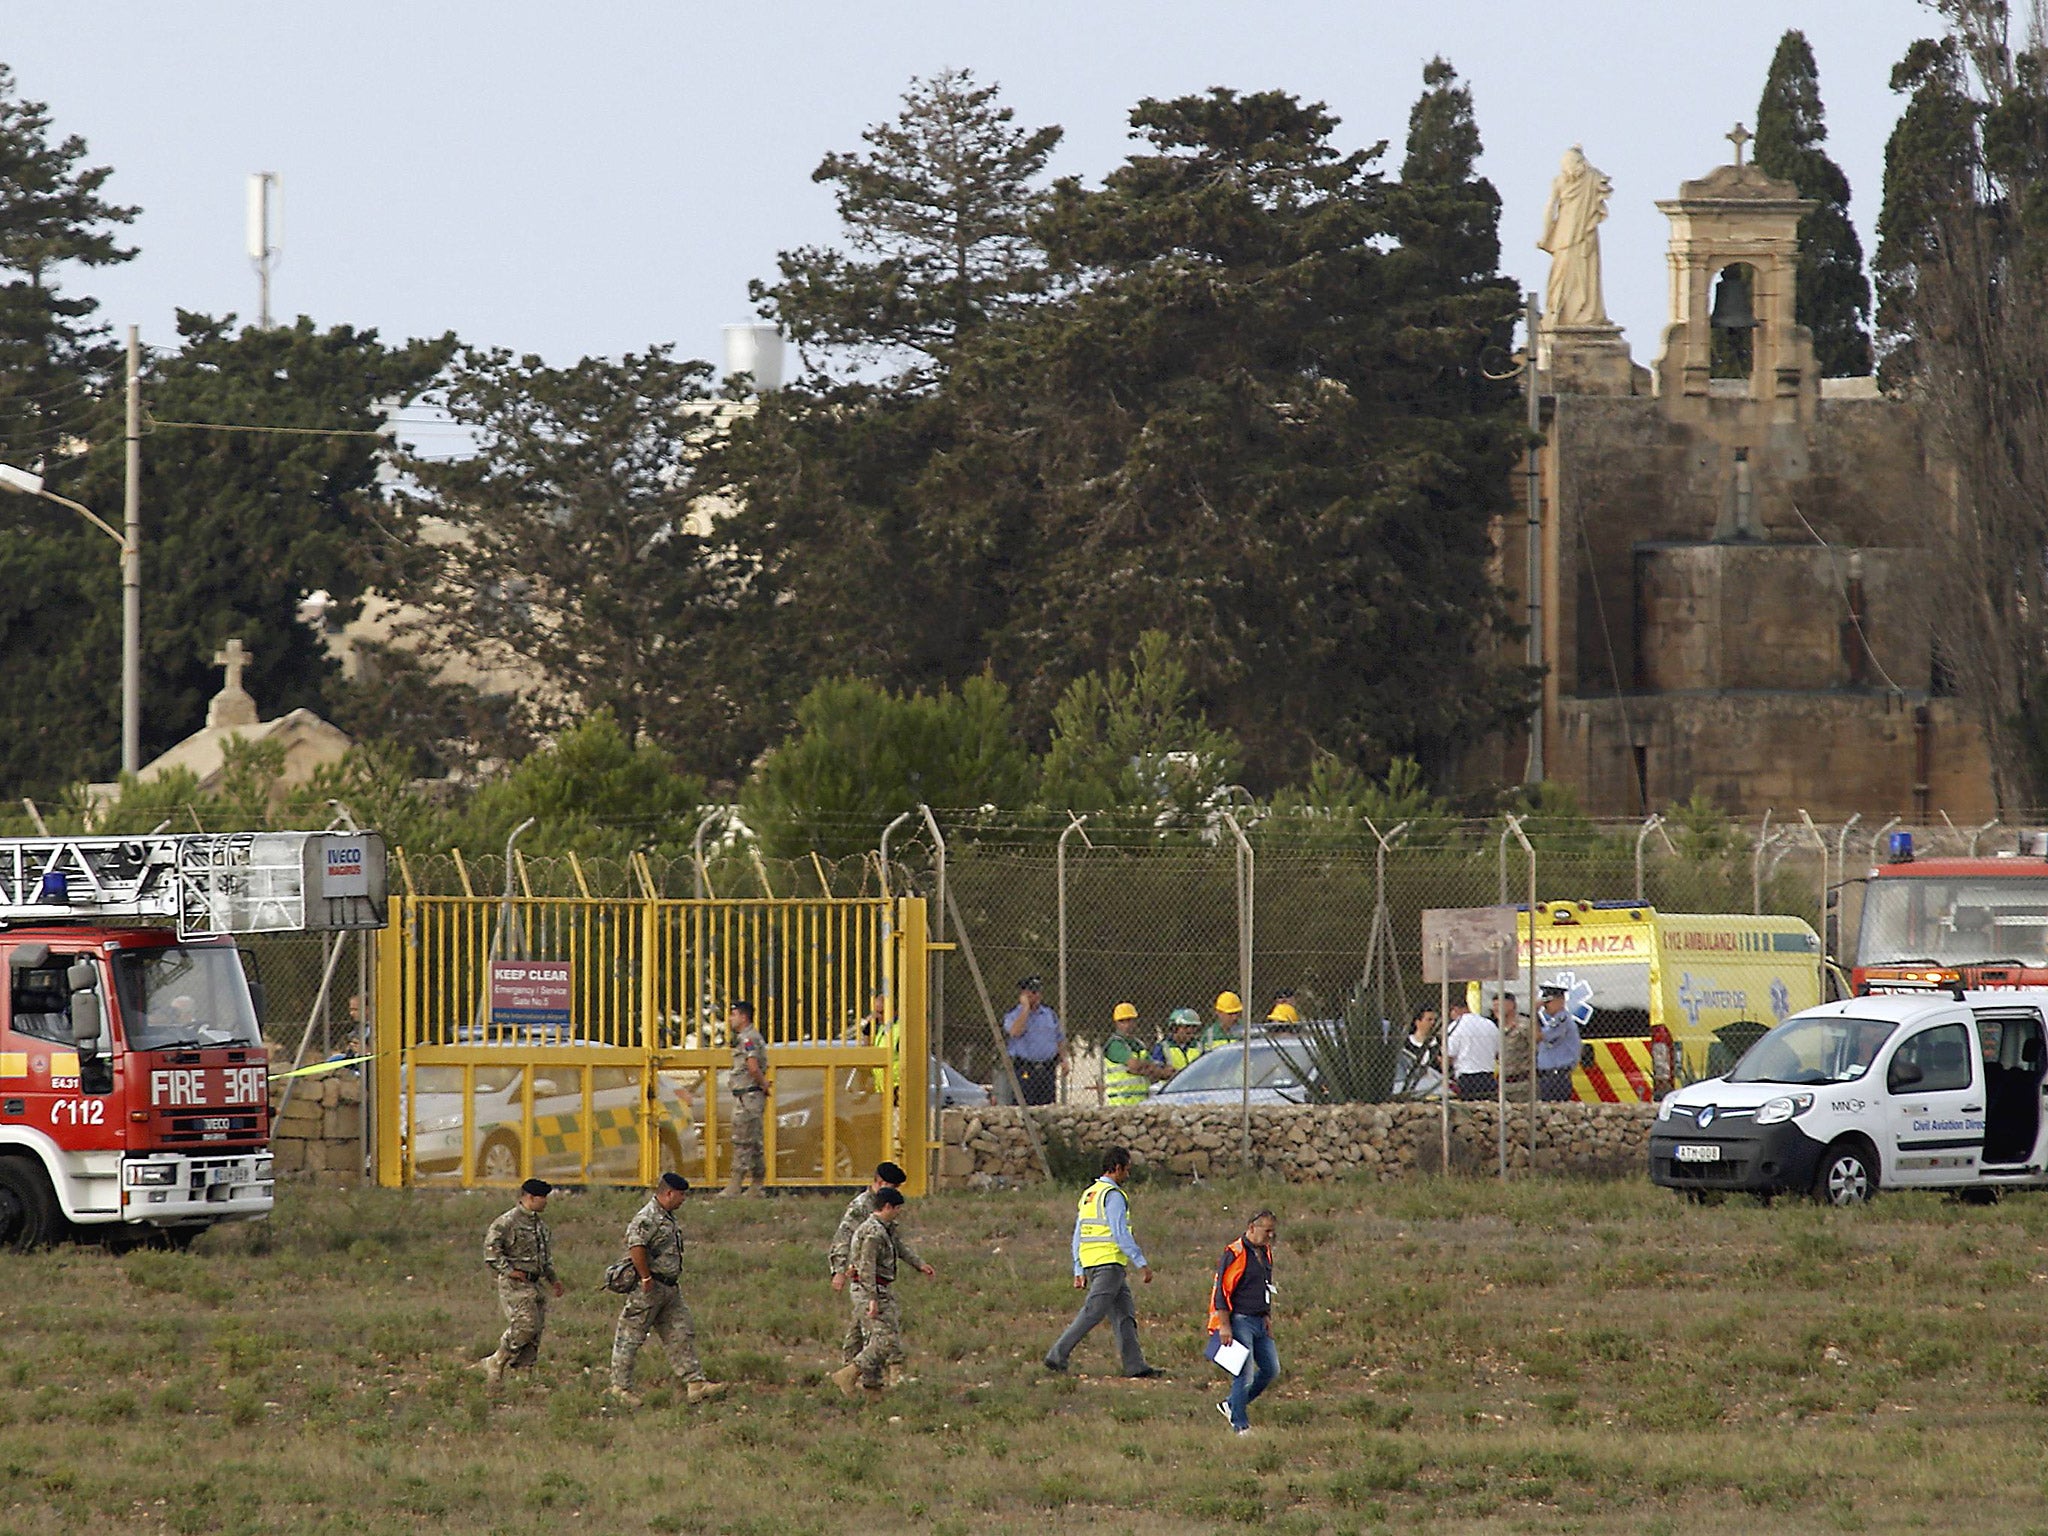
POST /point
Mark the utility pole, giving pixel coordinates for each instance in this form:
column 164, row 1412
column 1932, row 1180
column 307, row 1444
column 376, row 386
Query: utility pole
column 265, row 187
column 131, row 570
column 1533, row 480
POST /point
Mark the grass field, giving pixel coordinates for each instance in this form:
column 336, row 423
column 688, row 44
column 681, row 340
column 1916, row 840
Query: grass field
column 1459, row 1357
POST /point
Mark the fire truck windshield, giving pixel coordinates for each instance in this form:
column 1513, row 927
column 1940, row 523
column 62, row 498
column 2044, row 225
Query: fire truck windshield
column 180, row 997
column 1926, row 920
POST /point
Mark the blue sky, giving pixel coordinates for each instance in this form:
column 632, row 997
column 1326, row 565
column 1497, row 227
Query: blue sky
column 574, row 179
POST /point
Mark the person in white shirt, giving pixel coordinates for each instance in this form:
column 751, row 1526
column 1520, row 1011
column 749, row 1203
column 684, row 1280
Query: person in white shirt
column 1473, row 1044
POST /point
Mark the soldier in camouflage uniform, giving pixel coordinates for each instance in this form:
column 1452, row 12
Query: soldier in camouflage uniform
column 748, row 1081
column 858, row 1210
column 521, row 1255
column 654, row 1244
column 877, row 1251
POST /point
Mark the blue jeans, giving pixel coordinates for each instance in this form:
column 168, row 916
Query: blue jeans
column 1259, row 1373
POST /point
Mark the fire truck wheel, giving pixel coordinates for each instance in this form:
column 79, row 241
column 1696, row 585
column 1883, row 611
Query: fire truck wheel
column 28, row 1208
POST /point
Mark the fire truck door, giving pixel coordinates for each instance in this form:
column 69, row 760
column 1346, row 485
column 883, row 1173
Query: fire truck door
column 41, row 1081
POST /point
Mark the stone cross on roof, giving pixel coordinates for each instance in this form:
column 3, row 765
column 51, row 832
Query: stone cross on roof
column 232, row 705
column 1739, row 136
column 235, row 657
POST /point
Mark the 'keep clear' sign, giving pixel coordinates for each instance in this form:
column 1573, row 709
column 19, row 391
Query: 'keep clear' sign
column 530, row 992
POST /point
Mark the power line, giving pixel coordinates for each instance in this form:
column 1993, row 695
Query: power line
column 233, row 426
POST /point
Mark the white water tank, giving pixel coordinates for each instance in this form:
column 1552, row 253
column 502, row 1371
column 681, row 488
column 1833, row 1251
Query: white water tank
column 755, row 349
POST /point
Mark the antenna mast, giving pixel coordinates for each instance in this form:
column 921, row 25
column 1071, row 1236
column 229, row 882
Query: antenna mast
column 265, row 234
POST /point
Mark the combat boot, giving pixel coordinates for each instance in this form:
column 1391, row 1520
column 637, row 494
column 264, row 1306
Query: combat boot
column 847, row 1379
column 704, row 1391
column 895, row 1377
column 493, row 1367
column 622, row 1396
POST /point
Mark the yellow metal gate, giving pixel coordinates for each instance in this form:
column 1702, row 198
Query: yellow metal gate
column 584, row 1041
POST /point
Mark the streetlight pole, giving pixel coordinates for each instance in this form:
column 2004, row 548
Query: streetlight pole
column 27, row 484
column 131, row 570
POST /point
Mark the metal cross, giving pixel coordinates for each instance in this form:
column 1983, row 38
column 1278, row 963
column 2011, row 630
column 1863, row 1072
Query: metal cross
column 1739, row 136
column 234, row 658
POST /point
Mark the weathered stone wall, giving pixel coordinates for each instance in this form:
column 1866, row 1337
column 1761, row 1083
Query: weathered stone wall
column 1383, row 1141
column 320, row 1133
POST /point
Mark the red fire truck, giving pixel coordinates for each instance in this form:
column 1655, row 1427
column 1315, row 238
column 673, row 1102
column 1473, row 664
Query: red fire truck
column 1980, row 922
column 134, row 1092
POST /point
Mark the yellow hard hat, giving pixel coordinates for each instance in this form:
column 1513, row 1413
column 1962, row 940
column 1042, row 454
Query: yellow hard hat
column 1284, row 1013
column 1124, row 1012
column 1229, row 1002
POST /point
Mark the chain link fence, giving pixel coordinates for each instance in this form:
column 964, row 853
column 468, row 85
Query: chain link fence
column 1325, row 912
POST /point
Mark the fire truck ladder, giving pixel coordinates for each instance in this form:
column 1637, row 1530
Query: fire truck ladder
column 209, row 883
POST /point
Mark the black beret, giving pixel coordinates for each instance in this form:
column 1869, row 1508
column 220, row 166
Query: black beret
column 536, row 1187
column 674, row 1181
column 889, row 1173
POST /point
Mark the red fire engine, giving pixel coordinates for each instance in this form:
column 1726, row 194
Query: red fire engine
column 1980, row 922
column 134, row 1093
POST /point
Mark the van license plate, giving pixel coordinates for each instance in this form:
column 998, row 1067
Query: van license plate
column 1697, row 1154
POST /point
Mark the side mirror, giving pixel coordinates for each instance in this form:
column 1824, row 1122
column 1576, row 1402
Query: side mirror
column 84, row 979
column 1904, row 1074
column 29, row 957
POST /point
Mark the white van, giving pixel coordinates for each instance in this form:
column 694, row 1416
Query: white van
column 1925, row 1090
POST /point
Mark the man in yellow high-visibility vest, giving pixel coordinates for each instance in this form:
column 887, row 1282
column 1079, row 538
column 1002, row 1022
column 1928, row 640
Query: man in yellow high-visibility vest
column 1127, row 1072
column 1103, row 1252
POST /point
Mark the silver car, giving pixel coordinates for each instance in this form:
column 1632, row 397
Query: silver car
column 1218, row 1077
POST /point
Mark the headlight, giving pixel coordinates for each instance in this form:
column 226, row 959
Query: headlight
column 1667, row 1107
column 1777, row 1111
column 152, row 1173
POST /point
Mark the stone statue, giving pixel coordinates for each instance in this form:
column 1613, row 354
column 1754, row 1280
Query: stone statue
column 1571, row 234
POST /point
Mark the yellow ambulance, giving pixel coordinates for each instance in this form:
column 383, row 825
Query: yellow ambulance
column 1649, row 987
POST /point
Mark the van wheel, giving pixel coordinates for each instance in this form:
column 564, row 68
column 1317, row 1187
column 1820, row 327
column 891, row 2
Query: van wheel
column 1848, row 1175
column 28, row 1207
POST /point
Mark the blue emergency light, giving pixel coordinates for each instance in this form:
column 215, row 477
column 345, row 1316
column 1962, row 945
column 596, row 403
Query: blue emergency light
column 54, row 888
column 1902, row 847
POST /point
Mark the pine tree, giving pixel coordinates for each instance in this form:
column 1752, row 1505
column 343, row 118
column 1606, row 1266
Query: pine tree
column 237, row 528
column 579, row 555
column 51, row 216
column 1833, row 295
column 937, row 215
column 1258, row 425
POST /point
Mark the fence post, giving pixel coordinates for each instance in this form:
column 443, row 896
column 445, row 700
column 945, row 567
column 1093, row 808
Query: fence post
column 1060, row 880
column 389, row 1041
column 1246, row 878
column 888, row 832
column 1821, row 843
column 1650, row 824
column 938, row 989
column 1515, row 826
column 1756, row 865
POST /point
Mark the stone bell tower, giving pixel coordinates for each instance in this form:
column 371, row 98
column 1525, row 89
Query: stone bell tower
column 1733, row 335
column 1732, row 568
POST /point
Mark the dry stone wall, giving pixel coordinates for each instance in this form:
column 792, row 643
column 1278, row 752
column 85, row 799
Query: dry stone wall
column 320, row 1133
column 1381, row 1141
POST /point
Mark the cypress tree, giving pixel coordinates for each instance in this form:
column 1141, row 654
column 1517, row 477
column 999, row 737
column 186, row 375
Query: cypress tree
column 1927, row 167
column 1833, row 295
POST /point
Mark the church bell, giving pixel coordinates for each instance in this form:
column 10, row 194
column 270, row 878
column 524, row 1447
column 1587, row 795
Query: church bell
column 1731, row 305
